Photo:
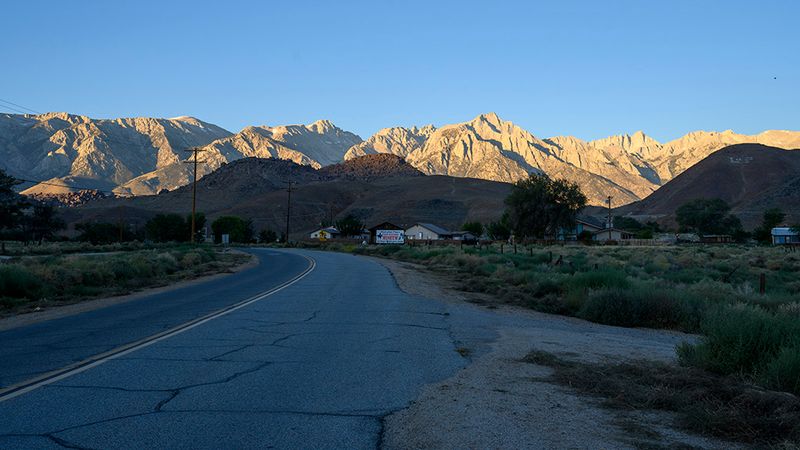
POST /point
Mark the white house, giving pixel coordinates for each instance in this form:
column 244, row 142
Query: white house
column 784, row 235
column 325, row 233
column 425, row 231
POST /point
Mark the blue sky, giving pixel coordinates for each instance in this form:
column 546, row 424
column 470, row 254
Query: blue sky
column 584, row 68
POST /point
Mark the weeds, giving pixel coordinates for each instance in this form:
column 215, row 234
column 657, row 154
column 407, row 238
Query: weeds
column 702, row 402
column 48, row 280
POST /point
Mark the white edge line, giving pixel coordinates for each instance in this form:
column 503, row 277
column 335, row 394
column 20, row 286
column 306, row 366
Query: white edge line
column 16, row 392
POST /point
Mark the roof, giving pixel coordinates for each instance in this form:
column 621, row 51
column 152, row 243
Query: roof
column 333, row 230
column 589, row 220
column 434, row 228
column 783, row 231
column 385, row 226
column 606, row 230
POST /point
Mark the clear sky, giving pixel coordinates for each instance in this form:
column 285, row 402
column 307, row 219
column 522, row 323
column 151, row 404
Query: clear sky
column 584, row 68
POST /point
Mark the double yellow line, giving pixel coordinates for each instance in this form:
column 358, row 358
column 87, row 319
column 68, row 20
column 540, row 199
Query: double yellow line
column 94, row 361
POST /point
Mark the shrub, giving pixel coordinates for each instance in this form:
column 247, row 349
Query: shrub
column 642, row 306
column 17, row 282
column 783, row 371
column 741, row 339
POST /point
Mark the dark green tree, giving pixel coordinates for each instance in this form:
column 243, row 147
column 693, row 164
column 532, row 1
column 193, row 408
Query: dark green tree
column 350, row 225
column 539, row 206
column 475, row 228
column 499, row 230
column 11, row 203
column 43, row 222
column 267, row 236
column 103, row 233
column 167, row 228
column 771, row 219
column 707, row 216
column 238, row 229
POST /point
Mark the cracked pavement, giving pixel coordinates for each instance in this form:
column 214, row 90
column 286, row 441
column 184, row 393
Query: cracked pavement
column 316, row 365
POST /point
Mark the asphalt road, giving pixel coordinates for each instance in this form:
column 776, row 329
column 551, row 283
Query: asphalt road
column 36, row 349
column 315, row 365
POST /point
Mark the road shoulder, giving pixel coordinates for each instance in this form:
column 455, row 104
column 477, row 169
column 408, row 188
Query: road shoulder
column 501, row 401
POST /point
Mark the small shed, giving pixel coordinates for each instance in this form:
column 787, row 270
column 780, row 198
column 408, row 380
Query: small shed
column 385, row 226
column 325, row 233
column 784, row 236
column 427, row 231
column 611, row 234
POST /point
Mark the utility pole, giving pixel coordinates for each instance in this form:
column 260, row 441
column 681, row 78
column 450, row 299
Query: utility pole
column 194, row 161
column 609, row 224
column 288, row 209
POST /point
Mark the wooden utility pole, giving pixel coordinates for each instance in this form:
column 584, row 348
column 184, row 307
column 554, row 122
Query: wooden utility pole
column 609, row 224
column 194, row 162
column 288, row 209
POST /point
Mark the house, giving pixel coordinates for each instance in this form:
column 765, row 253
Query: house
column 427, row 231
column 386, row 233
column 611, row 234
column 325, row 233
column 785, row 235
column 582, row 223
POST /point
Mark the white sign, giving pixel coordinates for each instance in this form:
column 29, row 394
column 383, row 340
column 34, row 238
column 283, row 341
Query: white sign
column 390, row 237
column 226, row 239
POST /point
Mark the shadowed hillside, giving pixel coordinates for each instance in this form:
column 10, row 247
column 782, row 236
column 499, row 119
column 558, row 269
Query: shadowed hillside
column 749, row 177
column 375, row 188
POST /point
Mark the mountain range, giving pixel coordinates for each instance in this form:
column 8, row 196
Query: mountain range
column 144, row 156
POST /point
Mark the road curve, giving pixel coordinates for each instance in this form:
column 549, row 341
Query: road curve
column 315, row 365
column 36, row 349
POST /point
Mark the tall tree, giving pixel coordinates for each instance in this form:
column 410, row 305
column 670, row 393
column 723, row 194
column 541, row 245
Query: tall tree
column 540, row 206
column 707, row 216
column 350, row 225
column 475, row 228
column 771, row 219
column 11, row 203
column 43, row 222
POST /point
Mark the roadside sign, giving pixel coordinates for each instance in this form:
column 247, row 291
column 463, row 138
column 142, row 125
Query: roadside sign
column 390, row 237
column 323, row 235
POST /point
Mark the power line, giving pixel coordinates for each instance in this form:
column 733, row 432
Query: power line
column 20, row 106
column 13, row 109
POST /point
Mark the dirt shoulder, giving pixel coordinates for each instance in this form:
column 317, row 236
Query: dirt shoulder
column 56, row 312
column 501, row 401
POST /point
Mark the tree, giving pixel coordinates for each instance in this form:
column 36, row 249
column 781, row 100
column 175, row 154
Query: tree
column 349, row 226
column 476, row 228
column 540, row 206
column 499, row 230
column 43, row 222
column 238, row 229
column 640, row 230
column 102, row 233
column 167, row 228
column 771, row 219
column 707, row 216
column 267, row 236
column 11, row 203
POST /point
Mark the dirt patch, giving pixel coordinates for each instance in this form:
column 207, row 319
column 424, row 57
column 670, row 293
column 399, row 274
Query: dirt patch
column 55, row 312
column 501, row 401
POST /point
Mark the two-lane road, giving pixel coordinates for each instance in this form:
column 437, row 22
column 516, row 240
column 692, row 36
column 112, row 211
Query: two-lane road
column 315, row 365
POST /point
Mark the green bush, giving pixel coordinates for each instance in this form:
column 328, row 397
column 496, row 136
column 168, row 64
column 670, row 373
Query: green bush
column 783, row 371
column 641, row 306
column 17, row 282
column 742, row 339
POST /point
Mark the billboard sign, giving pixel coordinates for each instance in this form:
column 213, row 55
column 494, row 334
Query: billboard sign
column 390, row 237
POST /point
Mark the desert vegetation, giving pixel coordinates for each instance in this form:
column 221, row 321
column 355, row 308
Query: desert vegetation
column 31, row 282
column 709, row 290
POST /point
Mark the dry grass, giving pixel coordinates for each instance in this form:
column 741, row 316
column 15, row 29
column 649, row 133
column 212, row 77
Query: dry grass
column 702, row 402
column 45, row 281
